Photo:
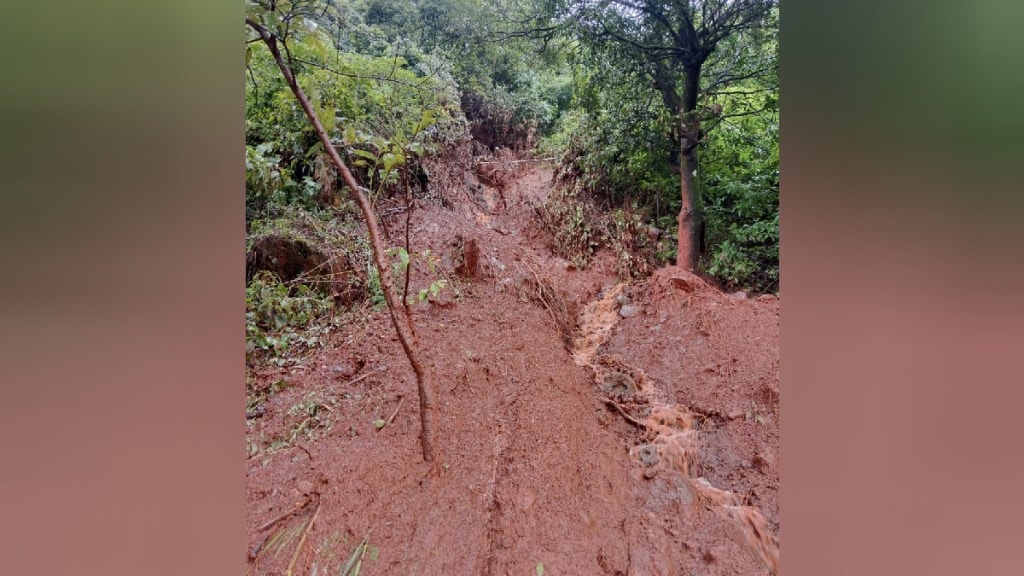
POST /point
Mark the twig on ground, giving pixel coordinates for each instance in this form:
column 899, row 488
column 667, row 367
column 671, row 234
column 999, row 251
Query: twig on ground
column 624, row 414
column 303, row 448
column 302, row 540
column 283, row 516
column 395, row 413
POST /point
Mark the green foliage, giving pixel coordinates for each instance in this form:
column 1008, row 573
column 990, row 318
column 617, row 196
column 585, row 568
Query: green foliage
column 618, row 142
column 620, row 145
column 275, row 314
column 741, row 192
column 373, row 286
column 395, row 81
column 407, row 262
column 432, row 291
column 367, row 97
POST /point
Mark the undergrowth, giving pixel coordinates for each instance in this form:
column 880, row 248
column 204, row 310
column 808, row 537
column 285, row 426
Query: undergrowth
column 580, row 227
column 279, row 318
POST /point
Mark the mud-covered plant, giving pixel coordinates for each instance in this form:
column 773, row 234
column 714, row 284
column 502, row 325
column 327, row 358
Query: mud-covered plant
column 274, row 312
column 574, row 224
column 628, row 237
column 402, row 272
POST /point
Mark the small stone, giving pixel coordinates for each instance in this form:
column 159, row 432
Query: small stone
column 629, row 310
column 738, row 295
column 648, row 456
column 763, row 461
column 304, row 486
column 622, row 299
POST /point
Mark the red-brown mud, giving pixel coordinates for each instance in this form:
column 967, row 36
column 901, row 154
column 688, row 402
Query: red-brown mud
column 534, row 467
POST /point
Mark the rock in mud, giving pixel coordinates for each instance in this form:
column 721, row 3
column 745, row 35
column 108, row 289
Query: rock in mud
column 648, row 456
column 629, row 310
column 617, row 384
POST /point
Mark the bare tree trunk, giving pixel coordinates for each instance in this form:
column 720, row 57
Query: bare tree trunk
column 691, row 215
column 399, row 314
column 691, row 211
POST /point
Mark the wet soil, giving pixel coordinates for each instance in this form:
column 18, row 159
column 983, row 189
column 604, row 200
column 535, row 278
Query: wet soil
column 572, row 439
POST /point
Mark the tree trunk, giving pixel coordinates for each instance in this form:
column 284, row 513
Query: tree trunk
column 691, row 212
column 399, row 314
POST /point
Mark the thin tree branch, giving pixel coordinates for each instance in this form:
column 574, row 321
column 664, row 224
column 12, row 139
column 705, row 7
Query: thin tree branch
column 399, row 314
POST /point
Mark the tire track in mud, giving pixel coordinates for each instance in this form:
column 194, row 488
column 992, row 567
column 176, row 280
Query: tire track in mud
column 670, row 433
column 502, row 443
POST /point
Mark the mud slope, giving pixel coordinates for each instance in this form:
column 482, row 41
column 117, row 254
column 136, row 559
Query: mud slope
column 536, row 467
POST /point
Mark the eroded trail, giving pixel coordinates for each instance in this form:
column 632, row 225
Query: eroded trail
column 671, row 439
column 536, row 468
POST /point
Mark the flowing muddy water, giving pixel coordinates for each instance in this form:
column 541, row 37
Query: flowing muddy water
column 670, row 432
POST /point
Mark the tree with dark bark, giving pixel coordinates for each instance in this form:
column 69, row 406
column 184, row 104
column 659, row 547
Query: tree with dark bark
column 273, row 22
column 678, row 45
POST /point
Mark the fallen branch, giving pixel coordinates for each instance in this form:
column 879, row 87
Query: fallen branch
column 624, row 414
column 259, row 547
column 283, row 516
column 302, row 540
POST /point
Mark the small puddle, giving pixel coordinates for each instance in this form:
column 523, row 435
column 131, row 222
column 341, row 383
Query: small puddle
column 673, row 440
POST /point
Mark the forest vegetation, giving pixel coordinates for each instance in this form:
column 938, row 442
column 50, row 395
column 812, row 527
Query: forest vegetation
column 662, row 119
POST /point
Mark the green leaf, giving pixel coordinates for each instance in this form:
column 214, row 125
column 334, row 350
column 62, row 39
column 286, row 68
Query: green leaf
column 313, row 150
column 327, row 118
column 426, row 121
column 379, row 423
column 248, row 55
column 540, row 569
column 365, row 154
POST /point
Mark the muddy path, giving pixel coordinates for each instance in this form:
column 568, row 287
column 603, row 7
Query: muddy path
column 575, row 437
